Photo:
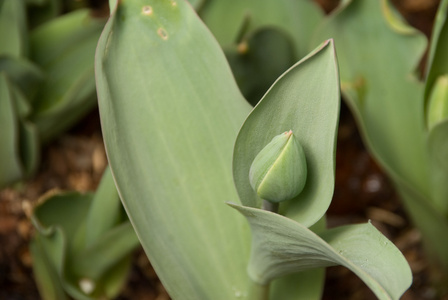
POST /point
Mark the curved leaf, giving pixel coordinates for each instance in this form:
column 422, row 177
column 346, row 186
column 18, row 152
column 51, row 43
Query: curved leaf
column 281, row 246
column 377, row 54
column 170, row 112
column 305, row 100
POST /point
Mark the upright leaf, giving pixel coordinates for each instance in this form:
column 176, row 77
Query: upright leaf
column 305, row 100
column 11, row 168
column 377, row 55
column 13, row 28
column 170, row 112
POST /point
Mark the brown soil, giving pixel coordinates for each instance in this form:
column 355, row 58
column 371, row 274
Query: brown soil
column 76, row 160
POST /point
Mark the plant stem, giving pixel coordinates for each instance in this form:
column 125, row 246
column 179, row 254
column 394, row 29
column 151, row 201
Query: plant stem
column 269, row 206
column 258, row 291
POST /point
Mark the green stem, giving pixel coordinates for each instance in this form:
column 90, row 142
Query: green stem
column 258, row 291
column 269, row 206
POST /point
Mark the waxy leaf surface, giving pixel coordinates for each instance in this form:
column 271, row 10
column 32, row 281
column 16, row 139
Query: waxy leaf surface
column 170, row 112
column 282, row 246
column 305, row 100
column 378, row 54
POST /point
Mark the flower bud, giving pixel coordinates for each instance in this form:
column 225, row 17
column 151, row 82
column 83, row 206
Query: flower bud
column 278, row 172
column 438, row 102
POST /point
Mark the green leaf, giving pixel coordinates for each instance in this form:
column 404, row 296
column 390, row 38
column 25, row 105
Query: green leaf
column 388, row 103
column 46, row 275
column 281, row 246
column 430, row 222
column 197, row 4
column 259, row 60
column 13, row 28
column 297, row 18
column 19, row 154
column 57, row 220
column 306, row 285
column 11, row 169
column 305, row 100
column 437, row 64
column 438, row 153
column 29, row 147
column 26, row 75
column 377, row 81
column 61, row 248
column 65, row 49
column 105, row 209
column 108, row 250
column 170, row 112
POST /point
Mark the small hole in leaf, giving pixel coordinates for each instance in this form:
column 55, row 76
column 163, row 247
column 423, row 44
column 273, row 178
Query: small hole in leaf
column 162, row 33
column 147, row 10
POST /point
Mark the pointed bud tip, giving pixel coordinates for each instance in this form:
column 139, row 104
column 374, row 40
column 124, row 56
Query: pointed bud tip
column 279, row 171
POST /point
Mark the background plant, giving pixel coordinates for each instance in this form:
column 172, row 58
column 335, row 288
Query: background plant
column 378, row 55
column 170, row 115
column 46, row 78
column 82, row 246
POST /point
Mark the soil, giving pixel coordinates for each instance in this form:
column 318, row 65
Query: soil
column 76, row 160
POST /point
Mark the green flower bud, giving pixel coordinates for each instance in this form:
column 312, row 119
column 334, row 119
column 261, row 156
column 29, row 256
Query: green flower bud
column 438, row 102
column 278, row 172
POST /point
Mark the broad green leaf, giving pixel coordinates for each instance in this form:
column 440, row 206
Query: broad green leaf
column 13, row 28
column 170, row 112
column 437, row 64
column 297, row 18
column 305, row 100
column 11, row 168
column 281, row 246
column 377, row 55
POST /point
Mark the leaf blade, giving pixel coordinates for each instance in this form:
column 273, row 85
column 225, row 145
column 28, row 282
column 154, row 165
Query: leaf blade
column 305, row 100
column 160, row 176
